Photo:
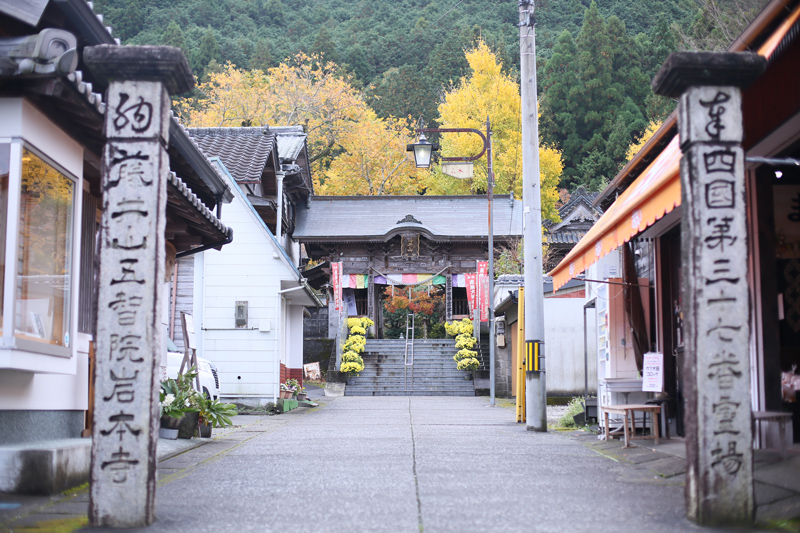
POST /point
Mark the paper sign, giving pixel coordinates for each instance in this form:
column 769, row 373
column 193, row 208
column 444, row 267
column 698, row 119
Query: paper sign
column 653, row 372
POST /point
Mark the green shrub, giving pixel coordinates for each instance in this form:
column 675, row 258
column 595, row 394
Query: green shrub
column 574, row 407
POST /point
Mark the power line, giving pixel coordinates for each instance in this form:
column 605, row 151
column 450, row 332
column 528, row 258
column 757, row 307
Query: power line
column 449, row 10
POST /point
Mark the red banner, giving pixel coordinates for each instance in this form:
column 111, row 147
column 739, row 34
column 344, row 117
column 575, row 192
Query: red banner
column 472, row 292
column 336, row 280
column 483, row 281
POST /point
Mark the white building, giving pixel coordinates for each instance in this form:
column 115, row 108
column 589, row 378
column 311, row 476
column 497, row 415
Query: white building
column 51, row 143
column 249, row 298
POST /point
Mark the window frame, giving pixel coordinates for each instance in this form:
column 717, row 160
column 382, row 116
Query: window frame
column 9, row 340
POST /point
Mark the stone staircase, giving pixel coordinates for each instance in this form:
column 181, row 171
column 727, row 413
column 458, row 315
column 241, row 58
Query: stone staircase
column 434, row 371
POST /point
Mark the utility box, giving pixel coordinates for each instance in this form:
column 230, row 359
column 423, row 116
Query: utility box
column 500, row 331
column 241, row 314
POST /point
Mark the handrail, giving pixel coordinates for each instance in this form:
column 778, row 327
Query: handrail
column 409, row 343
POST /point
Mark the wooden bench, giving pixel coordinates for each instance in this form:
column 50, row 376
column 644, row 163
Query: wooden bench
column 627, row 412
column 773, row 416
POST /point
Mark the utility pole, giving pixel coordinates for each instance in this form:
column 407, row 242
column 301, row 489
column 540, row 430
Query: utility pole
column 490, row 303
column 535, row 385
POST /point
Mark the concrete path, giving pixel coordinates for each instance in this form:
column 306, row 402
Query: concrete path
column 401, row 464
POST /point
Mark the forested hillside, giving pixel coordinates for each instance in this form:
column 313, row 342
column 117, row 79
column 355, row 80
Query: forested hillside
column 595, row 60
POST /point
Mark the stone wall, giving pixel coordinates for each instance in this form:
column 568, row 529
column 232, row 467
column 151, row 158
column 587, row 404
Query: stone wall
column 316, row 326
column 317, row 350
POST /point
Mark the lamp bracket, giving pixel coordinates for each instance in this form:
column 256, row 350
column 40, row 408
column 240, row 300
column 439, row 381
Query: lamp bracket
column 459, row 130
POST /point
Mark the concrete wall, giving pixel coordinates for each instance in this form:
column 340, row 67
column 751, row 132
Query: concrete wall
column 564, row 347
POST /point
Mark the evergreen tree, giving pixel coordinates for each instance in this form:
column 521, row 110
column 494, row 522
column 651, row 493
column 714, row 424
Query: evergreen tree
column 559, row 99
column 273, row 13
column 173, row 36
column 324, row 46
column 655, row 47
column 357, row 63
column 130, row 21
column 404, row 92
column 203, row 54
column 593, row 99
column 261, row 58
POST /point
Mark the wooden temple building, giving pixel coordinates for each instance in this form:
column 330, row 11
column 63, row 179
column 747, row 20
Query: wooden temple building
column 404, row 241
column 578, row 214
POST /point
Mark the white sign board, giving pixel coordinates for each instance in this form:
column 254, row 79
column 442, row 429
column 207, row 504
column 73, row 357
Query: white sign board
column 458, row 170
column 653, row 372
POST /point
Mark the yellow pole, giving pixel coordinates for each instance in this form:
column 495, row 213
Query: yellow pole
column 520, row 348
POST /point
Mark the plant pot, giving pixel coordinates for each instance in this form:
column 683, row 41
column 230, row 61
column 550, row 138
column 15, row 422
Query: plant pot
column 468, row 375
column 167, row 433
column 188, row 425
column 301, row 397
column 167, row 422
column 205, row 430
column 286, row 394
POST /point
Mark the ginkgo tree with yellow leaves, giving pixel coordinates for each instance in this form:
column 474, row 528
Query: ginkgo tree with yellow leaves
column 374, row 161
column 487, row 91
column 352, row 150
column 304, row 90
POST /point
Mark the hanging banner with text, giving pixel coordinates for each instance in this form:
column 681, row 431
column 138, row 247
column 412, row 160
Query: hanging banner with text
column 483, row 282
column 472, row 292
column 336, row 279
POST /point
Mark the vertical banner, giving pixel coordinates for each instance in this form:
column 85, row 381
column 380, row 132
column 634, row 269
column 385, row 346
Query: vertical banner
column 336, row 279
column 483, row 284
column 472, row 292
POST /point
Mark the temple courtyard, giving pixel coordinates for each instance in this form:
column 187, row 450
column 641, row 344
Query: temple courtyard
column 411, row 464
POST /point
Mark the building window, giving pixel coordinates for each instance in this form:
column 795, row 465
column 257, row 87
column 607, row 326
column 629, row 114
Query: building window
column 44, row 258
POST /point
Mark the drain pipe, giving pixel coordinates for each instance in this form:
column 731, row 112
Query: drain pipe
column 588, row 305
column 279, row 224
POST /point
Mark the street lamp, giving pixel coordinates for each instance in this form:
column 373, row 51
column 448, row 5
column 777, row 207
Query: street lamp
column 422, row 158
column 423, row 151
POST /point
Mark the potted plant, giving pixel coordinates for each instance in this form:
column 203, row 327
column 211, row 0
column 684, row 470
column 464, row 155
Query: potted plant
column 214, row 414
column 465, row 358
column 293, row 386
column 171, row 414
column 287, row 389
column 177, row 400
column 301, row 394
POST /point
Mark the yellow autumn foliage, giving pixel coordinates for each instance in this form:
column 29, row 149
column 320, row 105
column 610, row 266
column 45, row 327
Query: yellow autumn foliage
column 634, row 148
column 489, row 92
column 303, row 90
column 373, row 162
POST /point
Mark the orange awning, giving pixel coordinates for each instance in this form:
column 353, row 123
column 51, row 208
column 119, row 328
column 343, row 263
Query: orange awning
column 771, row 44
column 656, row 192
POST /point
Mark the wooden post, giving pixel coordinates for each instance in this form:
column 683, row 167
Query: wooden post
column 719, row 477
column 134, row 172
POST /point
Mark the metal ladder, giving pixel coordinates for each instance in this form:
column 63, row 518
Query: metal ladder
column 409, row 356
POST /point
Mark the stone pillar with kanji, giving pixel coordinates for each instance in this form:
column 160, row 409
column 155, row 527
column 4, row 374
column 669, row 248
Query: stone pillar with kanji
column 714, row 290
column 134, row 172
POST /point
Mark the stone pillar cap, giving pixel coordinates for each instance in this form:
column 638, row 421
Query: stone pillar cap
column 682, row 70
column 166, row 64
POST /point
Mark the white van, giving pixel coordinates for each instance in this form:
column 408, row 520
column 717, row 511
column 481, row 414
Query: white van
column 209, row 378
